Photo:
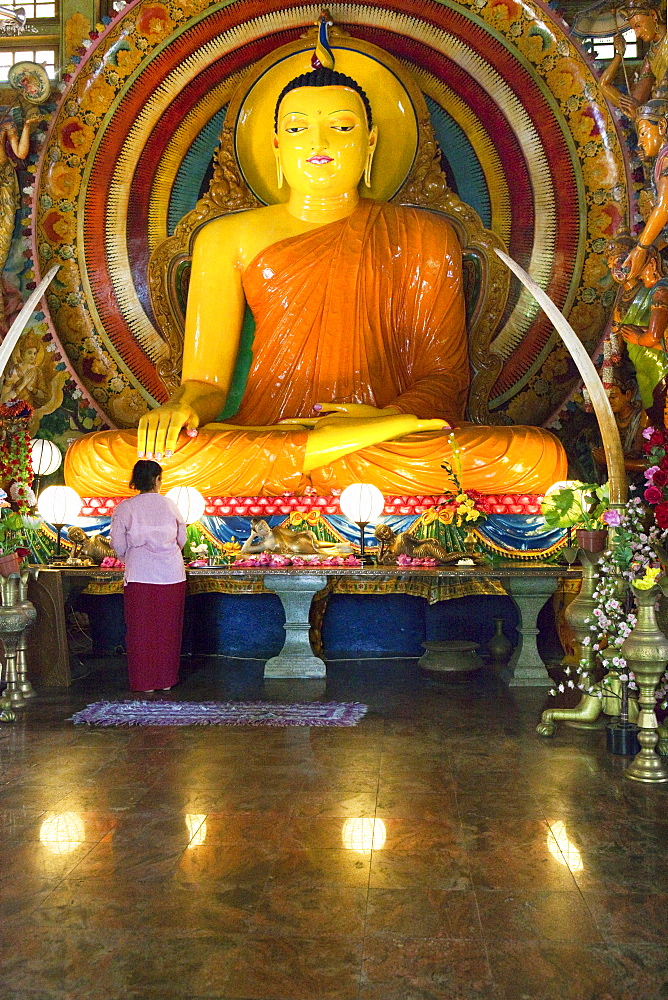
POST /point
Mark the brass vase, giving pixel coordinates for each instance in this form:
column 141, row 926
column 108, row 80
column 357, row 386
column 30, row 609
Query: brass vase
column 646, row 653
column 28, row 607
column 499, row 647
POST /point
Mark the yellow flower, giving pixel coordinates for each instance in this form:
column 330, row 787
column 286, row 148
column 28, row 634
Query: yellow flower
column 648, row 580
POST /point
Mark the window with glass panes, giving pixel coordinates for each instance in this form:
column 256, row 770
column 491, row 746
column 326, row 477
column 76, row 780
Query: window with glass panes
column 603, row 49
column 39, row 9
column 46, row 57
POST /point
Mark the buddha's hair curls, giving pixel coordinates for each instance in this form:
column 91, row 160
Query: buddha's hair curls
column 323, row 77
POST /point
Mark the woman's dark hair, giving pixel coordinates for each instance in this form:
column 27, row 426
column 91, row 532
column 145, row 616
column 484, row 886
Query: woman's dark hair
column 323, row 77
column 144, row 475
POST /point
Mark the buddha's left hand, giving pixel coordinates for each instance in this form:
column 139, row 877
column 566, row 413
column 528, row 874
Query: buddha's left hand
column 350, row 427
column 334, row 412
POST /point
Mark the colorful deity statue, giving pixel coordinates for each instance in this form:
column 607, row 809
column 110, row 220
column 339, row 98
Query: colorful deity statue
column 359, row 358
column 630, row 418
column 10, row 196
column 639, row 321
column 652, row 125
column 646, row 19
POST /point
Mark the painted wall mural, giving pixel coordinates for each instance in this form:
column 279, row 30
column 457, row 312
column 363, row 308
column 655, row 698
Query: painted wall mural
column 527, row 140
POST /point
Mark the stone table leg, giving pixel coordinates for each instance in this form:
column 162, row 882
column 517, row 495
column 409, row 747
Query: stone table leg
column 526, row 669
column 296, row 659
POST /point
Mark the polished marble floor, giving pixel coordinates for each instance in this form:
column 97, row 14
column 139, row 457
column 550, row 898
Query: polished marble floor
column 437, row 851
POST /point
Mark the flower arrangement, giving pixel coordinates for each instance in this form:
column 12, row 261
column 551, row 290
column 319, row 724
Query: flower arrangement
column 465, row 502
column 273, row 560
column 637, row 558
column 407, row 561
column 655, row 448
column 110, row 562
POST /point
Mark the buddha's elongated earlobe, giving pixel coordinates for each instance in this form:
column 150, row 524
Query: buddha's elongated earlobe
column 373, row 139
column 279, row 172
column 367, row 168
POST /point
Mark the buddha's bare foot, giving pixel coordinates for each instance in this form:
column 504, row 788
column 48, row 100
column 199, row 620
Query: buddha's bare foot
column 339, row 434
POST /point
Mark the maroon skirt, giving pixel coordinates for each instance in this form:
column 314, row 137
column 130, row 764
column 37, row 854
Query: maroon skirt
column 153, row 633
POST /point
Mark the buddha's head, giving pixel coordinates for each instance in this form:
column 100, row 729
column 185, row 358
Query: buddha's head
column 324, row 137
column 651, row 126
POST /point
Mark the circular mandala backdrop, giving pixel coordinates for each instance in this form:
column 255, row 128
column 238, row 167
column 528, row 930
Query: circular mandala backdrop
column 527, row 140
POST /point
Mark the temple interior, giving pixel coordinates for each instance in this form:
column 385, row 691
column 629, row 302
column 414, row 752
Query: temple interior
column 334, row 500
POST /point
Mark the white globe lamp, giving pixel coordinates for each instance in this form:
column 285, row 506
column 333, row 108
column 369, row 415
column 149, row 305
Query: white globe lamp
column 190, row 502
column 59, row 505
column 45, row 457
column 363, row 504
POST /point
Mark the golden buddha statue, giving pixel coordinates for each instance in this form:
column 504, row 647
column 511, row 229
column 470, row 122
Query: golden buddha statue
column 359, row 358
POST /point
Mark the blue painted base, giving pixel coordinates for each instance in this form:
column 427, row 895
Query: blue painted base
column 366, row 625
column 354, row 627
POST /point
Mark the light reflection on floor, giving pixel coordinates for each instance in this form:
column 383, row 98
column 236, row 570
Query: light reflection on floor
column 437, row 850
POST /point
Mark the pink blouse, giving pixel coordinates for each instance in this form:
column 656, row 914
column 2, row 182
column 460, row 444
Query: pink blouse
column 148, row 533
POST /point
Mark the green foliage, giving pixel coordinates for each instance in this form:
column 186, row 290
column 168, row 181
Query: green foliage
column 578, row 505
column 16, row 531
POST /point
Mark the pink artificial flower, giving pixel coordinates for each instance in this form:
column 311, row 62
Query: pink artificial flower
column 612, row 518
column 647, row 433
column 650, row 473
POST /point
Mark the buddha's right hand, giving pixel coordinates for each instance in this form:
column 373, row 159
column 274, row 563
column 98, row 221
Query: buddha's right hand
column 159, row 430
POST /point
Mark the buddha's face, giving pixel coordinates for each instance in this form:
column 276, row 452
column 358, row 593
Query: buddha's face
column 323, row 140
column 651, row 136
column 646, row 26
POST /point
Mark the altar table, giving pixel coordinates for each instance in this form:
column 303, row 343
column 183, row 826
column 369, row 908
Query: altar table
column 530, row 585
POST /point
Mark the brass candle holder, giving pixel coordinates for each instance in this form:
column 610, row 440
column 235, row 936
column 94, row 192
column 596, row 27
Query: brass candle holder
column 646, row 653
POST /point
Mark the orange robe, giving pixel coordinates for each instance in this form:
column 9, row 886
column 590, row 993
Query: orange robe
column 369, row 309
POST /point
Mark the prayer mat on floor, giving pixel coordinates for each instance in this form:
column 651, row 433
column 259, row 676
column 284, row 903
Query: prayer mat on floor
column 219, row 713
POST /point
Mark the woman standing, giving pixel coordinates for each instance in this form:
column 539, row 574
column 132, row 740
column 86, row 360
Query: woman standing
column 148, row 532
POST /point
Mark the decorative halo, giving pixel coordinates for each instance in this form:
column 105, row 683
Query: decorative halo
column 525, row 135
column 31, row 81
column 392, row 107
